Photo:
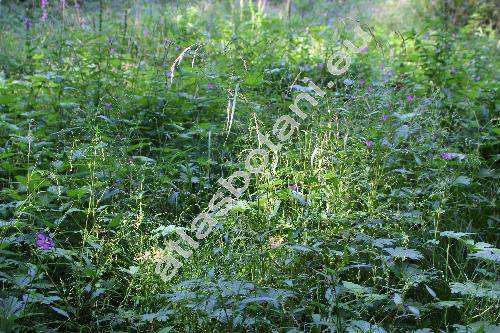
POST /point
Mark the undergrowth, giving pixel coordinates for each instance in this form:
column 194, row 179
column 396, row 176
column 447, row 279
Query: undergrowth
column 117, row 120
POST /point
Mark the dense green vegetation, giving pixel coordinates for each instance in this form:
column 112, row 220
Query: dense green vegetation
column 117, row 118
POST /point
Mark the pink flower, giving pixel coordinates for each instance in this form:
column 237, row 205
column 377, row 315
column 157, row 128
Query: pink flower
column 45, row 242
column 446, row 156
column 369, row 143
column 45, row 15
column 450, row 156
column 410, row 98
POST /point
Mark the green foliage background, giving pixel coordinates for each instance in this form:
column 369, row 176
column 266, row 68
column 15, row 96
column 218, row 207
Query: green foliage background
column 108, row 148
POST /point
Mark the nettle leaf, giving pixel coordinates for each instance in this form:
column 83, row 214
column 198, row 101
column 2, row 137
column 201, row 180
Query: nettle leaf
column 60, row 311
column 475, row 290
column 161, row 315
column 166, row 330
column 431, row 292
column 302, row 248
column 98, row 292
column 11, row 307
column 401, row 134
column 414, row 310
column 144, row 159
column 487, row 255
column 462, row 180
column 355, row 288
column 398, row 300
column 405, row 116
column 477, row 327
column 132, row 270
column 454, row 234
column 484, row 251
column 400, row 252
column 383, row 242
column 447, row 304
column 299, row 197
column 361, row 326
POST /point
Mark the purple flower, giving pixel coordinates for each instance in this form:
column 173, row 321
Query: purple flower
column 477, row 78
column 450, row 156
column 390, row 261
column 108, row 104
column 210, row 86
column 410, row 98
column 385, row 117
column 28, row 24
column 361, row 82
column 145, row 32
column 294, row 187
column 45, row 15
column 369, row 143
column 45, row 242
column 447, row 156
column 364, row 50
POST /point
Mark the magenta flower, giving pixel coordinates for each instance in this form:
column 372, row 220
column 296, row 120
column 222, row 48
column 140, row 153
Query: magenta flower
column 45, row 15
column 45, row 242
column 446, row 156
column 364, row 50
column 294, row 187
column 450, row 156
column 410, row 98
column 369, row 143
column 477, row 78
